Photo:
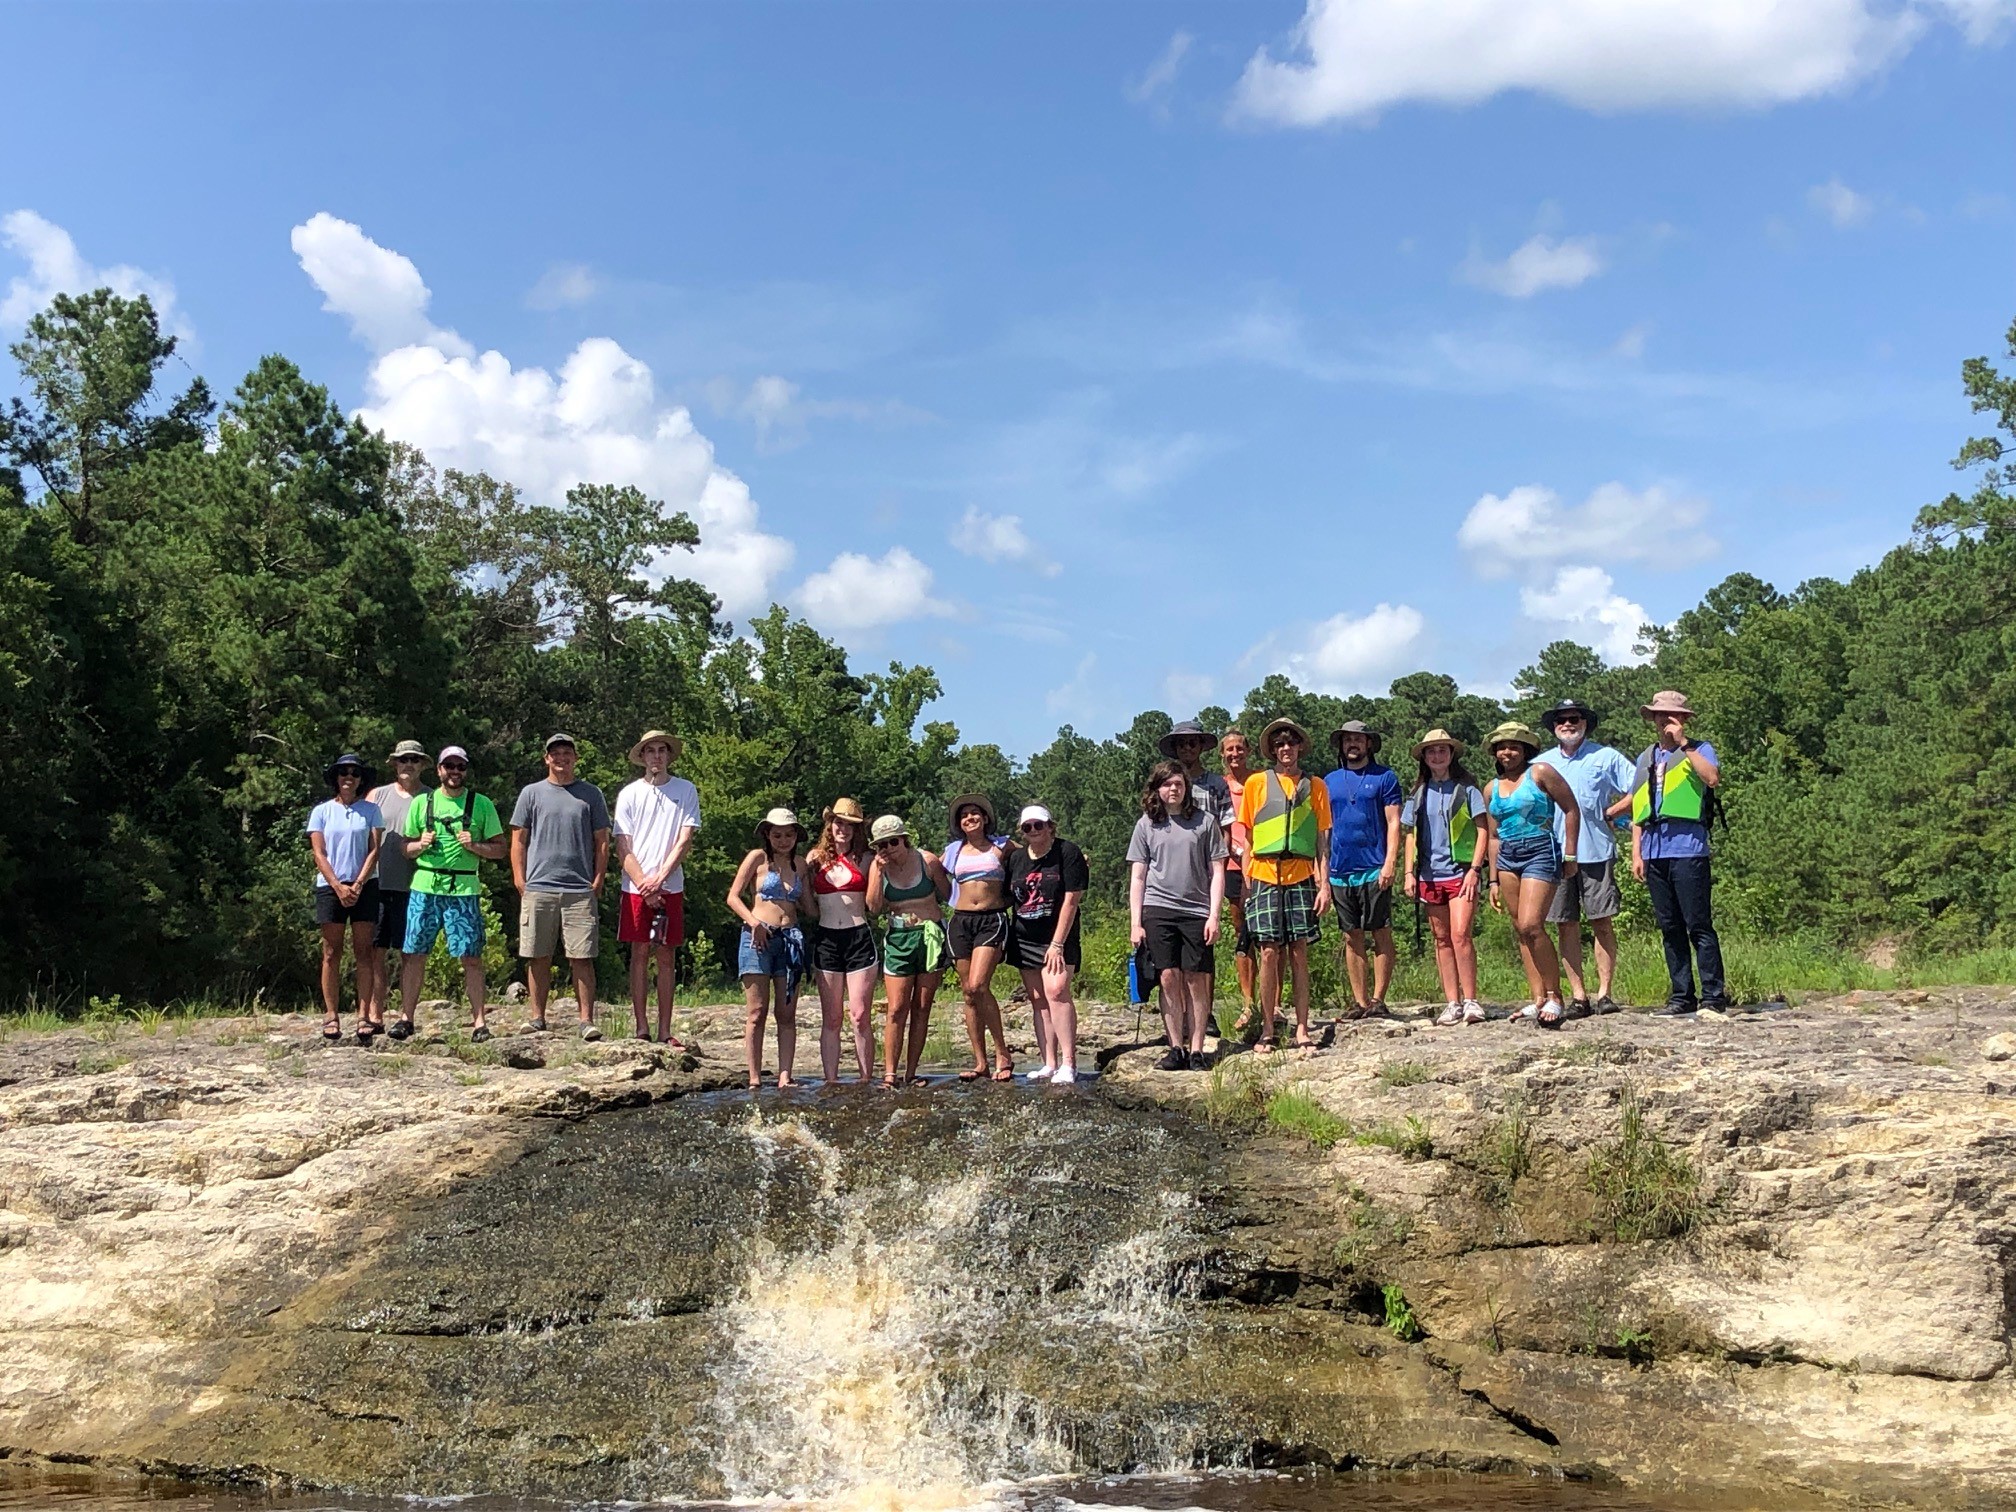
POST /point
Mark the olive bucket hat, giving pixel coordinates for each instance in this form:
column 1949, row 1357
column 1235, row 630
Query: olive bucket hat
column 1513, row 733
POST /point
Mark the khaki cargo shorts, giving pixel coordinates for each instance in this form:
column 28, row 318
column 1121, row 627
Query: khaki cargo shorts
column 555, row 923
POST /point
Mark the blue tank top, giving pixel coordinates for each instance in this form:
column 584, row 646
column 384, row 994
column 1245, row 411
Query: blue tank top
column 1523, row 813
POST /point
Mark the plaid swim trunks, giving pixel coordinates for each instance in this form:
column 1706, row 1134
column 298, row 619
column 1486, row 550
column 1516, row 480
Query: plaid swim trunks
column 1278, row 915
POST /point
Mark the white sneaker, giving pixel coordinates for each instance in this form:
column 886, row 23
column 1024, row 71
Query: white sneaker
column 1451, row 1015
column 1473, row 1011
column 1042, row 1074
column 1063, row 1076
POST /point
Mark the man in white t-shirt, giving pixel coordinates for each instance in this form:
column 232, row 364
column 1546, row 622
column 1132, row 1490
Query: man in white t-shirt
column 656, row 818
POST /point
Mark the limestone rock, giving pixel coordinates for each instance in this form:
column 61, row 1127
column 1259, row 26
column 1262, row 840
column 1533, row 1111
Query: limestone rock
column 1999, row 1047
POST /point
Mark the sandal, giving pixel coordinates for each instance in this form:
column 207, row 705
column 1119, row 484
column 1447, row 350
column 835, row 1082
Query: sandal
column 479, row 1034
column 1551, row 1014
column 1003, row 1074
column 537, row 1026
column 890, row 1084
column 332, row 1030
column 1266, row 1044
column 402, row 1030
column 974, row 1075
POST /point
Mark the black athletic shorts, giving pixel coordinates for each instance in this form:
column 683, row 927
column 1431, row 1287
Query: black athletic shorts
column 391, row 931
column 845, row 949
column 1176, row 941
column 363, row 911
column 1235, row 885
column 1366, row 905
column 1029, row 943
column 981, row 929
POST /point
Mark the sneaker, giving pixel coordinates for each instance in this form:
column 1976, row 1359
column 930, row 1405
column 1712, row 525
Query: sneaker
column 1607, row 1004
column 536, row 1026
column 479, row 1034
column 1200, row 1060
column 1717, row 1005
column 1173, row 1060
column 590, row 1032
column 1676, row 1009
column 1578, row 1008
column 1450, row 1016
column 1041, row 1074
column 400, row 1030
column 1378, row 1010
column 1063, row 1076
column 1473, row 1011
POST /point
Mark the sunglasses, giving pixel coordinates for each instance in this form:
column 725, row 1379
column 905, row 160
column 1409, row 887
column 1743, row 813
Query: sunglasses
column 888, row 844
column 407, row 760
column 454, row 766
column 1031, row 825
column 1569, row 719
column 348, row 772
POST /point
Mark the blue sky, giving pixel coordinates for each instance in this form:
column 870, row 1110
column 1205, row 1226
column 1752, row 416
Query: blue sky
column 1103, row 357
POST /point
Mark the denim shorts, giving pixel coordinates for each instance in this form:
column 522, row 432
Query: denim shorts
column 1534, row 857
column 782, row 955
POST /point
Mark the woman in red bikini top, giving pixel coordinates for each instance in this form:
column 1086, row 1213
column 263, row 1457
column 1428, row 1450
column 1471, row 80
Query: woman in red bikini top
column 844, row 956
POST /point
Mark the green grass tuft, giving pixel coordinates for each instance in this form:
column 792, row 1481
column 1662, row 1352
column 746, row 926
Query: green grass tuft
column 1293, row 1111
column 1402, row 1074
column 1643, row 1189
column 1400, row 1319
column 1412, row 1140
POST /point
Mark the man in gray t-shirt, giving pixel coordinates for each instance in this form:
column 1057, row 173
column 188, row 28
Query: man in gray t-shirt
column 559, row 856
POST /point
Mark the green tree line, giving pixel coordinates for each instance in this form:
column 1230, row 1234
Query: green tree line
column 201, row 603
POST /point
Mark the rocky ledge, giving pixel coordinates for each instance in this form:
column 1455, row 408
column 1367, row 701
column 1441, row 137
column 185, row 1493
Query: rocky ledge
column 1773, row 1250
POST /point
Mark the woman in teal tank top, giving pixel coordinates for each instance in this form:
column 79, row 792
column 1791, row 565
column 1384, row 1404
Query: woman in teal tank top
column 1526, row 865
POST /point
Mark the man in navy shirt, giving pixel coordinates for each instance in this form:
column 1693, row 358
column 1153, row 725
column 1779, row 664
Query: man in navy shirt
column 1364, row 848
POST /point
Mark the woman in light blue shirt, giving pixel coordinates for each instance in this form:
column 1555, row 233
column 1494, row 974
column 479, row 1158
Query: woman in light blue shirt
column 343, row 834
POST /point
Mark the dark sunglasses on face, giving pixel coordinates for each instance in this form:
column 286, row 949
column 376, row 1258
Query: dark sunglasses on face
column 887, row 844
column 454, row 766
column 407, row 760
column 348, row 772
column 1569, row 719
column 1031, row 825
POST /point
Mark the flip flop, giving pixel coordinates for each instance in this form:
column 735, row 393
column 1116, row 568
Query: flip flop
column 1267, row 1044
column 1003, row 1074
column 971, row 1076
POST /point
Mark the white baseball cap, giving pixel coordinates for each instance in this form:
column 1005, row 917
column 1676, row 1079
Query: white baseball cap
column 1034, row 811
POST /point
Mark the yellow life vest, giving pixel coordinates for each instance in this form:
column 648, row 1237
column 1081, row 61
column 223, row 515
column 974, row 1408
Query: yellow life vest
column 1683, row 795
column 1285, row 824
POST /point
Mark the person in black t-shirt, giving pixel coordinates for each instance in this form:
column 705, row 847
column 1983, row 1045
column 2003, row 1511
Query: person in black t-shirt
column 1046, row 884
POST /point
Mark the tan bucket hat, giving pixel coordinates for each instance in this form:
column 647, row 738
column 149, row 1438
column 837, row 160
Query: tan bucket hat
column 637, row 750
column 1438, row 736
column 775, row 817
column 1668, row 701
column 1274, row 727
column 888, row 827
column 1512, row 732
column 975, row 800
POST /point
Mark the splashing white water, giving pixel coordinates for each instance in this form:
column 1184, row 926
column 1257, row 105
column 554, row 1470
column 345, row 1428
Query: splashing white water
column 851, row 1371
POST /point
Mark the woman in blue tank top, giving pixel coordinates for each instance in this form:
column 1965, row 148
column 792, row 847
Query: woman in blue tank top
column 1526, row 864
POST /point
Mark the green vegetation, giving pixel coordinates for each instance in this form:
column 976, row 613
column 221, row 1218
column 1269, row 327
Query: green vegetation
column 1293, row 1111
column 1643, row 1189
column 1402, row 1074
column 1369, row 1228
column 1507, row 1154
column 202, row 603
column 1400, row 1319
column 1240, row 1091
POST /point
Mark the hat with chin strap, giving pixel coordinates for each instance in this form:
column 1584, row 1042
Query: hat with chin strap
column 1571, row 706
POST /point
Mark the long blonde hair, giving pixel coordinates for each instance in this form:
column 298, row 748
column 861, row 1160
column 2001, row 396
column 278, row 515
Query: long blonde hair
column 827, row 850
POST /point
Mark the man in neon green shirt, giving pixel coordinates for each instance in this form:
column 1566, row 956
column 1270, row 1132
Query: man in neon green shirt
column 447, row 833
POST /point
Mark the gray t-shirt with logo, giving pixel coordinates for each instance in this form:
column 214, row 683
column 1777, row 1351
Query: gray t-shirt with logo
column 560, row 824
column 395, row 867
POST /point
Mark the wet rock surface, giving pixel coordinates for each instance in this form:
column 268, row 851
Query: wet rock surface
column 548, row 1267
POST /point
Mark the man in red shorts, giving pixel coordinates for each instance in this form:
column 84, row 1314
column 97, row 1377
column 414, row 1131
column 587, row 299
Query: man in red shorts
column 655, row 821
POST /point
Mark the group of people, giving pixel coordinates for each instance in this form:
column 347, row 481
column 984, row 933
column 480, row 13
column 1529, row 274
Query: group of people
column 1265, row 854
column 396, row 870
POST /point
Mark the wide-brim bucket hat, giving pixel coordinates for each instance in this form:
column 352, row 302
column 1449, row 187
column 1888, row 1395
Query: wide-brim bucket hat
column 1439, row 736
column 1355, row 727
column 845, row 808
column 1570, row 706
column 1513, row 733
column 408, row 748
column 888, row 827
column 367, row 779
column 1667, row 701
column 972, row 800
column 637, row 750
column 1275, row 727
column 771, row 820
column 1167, row 744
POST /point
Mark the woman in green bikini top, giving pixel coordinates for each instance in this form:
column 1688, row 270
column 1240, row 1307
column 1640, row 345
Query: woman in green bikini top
column 910, row 886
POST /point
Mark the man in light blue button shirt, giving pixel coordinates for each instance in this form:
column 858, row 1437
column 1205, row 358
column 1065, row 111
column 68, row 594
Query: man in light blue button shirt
column 1598, row 776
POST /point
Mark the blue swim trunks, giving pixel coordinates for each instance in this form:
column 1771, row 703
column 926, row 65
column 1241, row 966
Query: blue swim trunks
column 431, row 914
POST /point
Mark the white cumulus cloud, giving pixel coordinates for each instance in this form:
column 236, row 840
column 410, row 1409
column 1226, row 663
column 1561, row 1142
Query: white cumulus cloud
column 859, row 592
column 1351, row 59
column 598, row 421
column 1540, row 263
column 1529, row 527
column 1359, row 653
column 1842, row 206
column 1000, row 539
column 1585, row 599
column 55, row 266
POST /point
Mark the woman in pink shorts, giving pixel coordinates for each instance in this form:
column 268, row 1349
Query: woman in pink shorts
column 1447, row 870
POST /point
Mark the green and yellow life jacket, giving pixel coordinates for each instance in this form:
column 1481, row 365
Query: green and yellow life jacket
column 1462, row 829
column 1683, row 795
column 1285, row 825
